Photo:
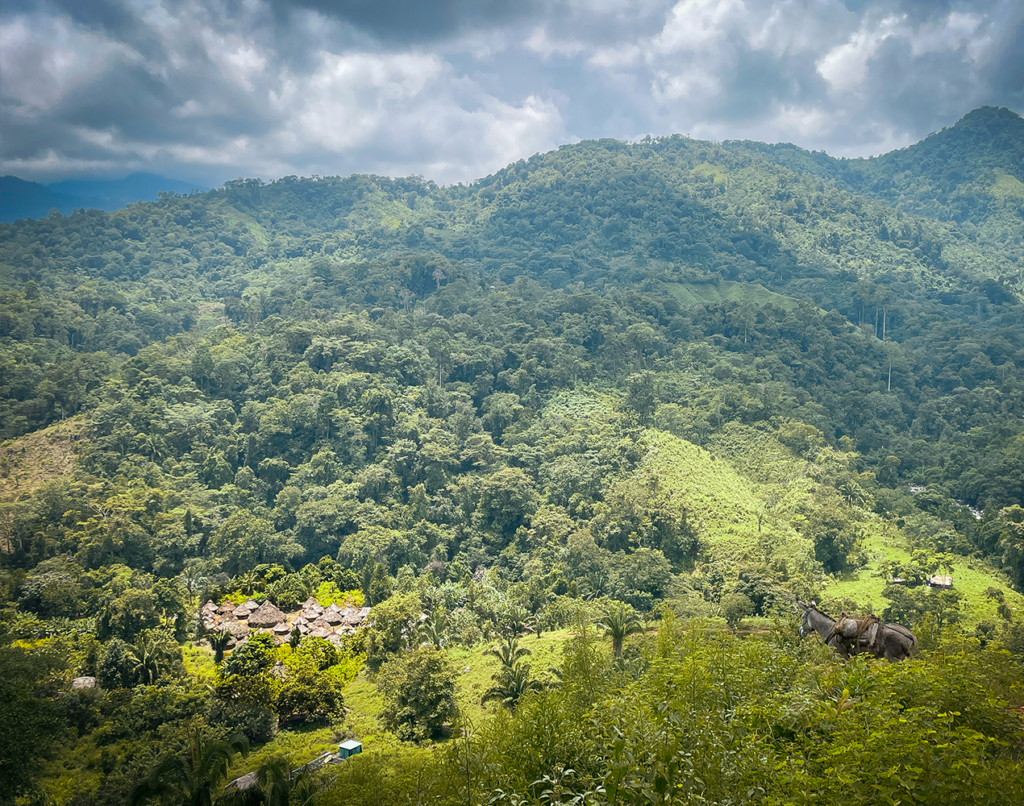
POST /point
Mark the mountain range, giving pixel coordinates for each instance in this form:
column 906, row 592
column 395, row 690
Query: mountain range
column 23, row 199
column 656, row 392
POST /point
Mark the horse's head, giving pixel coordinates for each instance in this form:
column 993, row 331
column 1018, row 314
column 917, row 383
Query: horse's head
column 805, row 623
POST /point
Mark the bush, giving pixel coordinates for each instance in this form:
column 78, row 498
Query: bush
column 419, row 694
column 256, row 724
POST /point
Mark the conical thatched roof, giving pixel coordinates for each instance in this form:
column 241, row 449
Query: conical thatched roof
column 302, row 620
column 282, row 628
column 226, row 608
column 250, row 605
column 321, row 632
column 241, row 612
column 210, row 607
column 321, row 624
column 266, row 615
column 234, row 628
column 333, row 616
column 312, row 605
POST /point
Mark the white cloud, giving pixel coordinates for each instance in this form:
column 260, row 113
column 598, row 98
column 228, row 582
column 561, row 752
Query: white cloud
column 42, row 59
column 244, row 88
column 696, row 24
column 544, row 46
column 846, row 66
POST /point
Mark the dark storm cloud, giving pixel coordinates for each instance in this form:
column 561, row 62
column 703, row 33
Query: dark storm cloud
column 418, row 22
column 454, row 89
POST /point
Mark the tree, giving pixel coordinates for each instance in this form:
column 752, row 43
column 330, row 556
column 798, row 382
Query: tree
column 510, row 685
column 834, row 536
column 129, row 614
column 419, row 694
column 218, row 641
column 508, row 651
column 116, row 667
column 310, row 694
column 151, row 656
column 640, row 397
column 619, row 622
column 251, row 658
column 507, row 499
column 31, row 721
column 192, row 778
column 245, row 541
column 735, row 606
column 1012, row 541
column 394, row 628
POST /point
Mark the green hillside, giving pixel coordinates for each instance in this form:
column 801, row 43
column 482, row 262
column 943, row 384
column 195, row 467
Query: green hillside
column 622, row 404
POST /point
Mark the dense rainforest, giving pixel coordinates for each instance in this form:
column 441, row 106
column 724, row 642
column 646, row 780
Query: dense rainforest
column 579, row 434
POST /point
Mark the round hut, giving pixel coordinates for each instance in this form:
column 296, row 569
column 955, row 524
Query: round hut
column 235, row 629
column 266, row 615
column 311, row 605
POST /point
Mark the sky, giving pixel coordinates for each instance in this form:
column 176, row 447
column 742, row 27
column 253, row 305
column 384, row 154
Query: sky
column 453, row 90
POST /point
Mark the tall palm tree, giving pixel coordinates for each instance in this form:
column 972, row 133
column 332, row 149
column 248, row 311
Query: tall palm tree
column 148, row 657
column 192, row 778
column 508, row 651
column 619, row 622
column 433, row 629
column 275, row 782
column 218, row 641
column 248, row 582
column 510, row 686
column 517, row 622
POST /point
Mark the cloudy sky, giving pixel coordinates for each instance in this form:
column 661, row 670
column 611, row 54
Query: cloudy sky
column 209, row 90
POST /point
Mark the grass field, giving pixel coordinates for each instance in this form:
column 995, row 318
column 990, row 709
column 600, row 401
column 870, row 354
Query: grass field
column 364, row 705
column 691, row 294
column 971, row 577
column 28, row 462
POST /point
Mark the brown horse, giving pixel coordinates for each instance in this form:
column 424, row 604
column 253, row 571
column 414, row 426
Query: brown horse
column 894, row 642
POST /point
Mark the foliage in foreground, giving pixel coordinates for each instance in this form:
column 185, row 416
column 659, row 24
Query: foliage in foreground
column 706, row 717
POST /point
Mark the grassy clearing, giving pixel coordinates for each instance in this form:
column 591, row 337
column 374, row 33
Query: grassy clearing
column 364, row 705
column 28, row 462
column 723, row 504
column 691, row 294
column 970, row 577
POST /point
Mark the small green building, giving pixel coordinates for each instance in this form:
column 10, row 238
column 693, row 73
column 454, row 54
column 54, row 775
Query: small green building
column 349, row 748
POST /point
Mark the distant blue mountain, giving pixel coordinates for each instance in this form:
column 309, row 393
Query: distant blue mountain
column 22, row 199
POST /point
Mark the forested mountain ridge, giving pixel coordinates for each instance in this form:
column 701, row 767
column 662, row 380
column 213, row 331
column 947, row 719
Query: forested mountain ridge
column 667, row 377
column 957, row 174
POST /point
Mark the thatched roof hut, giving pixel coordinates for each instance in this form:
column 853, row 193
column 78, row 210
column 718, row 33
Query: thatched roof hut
column 266, row 615
column 333, row 616
column 234, row 628
column 321, row 623
column 241, row 612
column 226, row 609
column 251, row 605
column 282, row 628
column 321, row 632
column 312, row 605
column 210, row 607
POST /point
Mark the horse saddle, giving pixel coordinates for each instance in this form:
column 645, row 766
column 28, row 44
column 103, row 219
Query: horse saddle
column 858, row 633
